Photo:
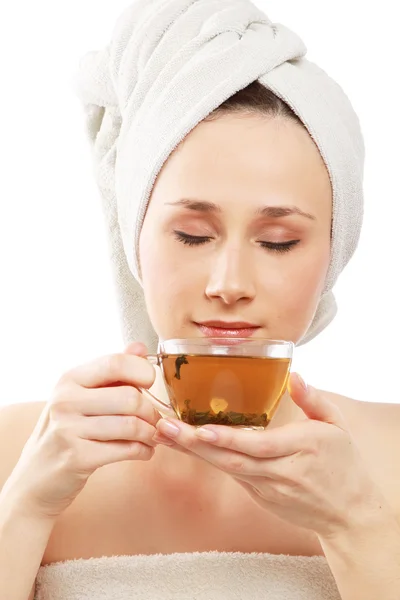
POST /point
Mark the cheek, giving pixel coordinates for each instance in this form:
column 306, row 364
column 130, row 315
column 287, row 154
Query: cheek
column 170, row 284
column 298, row 293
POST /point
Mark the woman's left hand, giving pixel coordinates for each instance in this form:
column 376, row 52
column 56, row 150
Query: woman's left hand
column 307, row 472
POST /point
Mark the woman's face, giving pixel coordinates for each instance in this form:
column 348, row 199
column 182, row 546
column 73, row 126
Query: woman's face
column 236, row 239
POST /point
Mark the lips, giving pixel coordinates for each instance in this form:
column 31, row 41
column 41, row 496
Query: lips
column 227, row 329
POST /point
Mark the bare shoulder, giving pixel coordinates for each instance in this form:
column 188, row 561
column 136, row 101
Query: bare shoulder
column 17, row 421
column 375, row 427
column 362, row 415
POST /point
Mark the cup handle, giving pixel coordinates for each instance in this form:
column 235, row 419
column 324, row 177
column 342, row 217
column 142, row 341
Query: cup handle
column 162, row 406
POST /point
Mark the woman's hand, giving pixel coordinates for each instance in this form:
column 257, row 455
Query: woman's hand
column 96, row 416
column 308, row 472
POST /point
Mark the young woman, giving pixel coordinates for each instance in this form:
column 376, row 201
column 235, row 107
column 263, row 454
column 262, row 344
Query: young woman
column 234, row 217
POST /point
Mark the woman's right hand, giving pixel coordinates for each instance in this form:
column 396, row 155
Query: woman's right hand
column 96, row 416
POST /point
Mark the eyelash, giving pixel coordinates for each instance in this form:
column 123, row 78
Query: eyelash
column 196, row 240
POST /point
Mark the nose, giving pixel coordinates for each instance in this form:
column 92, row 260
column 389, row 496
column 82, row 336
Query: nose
column 231, row 278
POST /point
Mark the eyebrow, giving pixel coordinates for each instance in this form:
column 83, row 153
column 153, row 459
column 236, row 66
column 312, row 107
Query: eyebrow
column 273, row 212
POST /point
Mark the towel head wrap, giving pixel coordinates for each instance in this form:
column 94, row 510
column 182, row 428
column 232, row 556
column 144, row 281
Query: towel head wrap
column 168, row 65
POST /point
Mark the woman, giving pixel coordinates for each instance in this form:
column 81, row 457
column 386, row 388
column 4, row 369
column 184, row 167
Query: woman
column 247, row 228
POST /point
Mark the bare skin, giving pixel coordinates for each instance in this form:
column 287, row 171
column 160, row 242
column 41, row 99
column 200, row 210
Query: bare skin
column 250, row 242
column 163, row 505
column 234, row 266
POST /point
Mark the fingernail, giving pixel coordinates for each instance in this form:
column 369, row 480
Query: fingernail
column 302, row 382
column 169, row 429
column 206, row 434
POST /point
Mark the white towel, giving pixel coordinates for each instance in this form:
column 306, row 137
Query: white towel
column 197, row 576
column 168, row 65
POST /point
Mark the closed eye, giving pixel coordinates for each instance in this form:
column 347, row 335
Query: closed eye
column 198, row 240
column 279, row 247
column 191, row 240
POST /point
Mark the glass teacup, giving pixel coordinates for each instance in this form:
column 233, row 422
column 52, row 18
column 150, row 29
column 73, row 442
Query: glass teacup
column 236, row 382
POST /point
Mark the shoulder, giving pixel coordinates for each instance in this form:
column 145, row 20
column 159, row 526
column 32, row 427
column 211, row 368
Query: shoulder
column 375, row 427
column 372, row 423
column 361, row 415
column 17, row 422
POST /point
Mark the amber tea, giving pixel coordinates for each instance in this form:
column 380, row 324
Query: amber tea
column 231, row 390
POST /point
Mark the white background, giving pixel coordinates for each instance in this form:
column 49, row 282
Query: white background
column 57, row 301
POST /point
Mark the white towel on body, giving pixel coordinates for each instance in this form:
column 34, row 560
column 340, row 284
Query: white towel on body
column 197, row 576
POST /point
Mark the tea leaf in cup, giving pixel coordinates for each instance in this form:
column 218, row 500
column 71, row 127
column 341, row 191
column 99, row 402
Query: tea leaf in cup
column 202, row 418
column 180, row 360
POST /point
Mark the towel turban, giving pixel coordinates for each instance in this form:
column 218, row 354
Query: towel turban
column 168, row 65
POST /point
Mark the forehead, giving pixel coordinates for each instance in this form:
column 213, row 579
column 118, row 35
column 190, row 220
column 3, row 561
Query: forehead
column 252, row 157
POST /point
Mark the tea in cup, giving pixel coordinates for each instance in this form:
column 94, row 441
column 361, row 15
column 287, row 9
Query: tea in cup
column 237, row 382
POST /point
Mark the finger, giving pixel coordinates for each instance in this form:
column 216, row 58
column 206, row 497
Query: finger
column 105, row 453
column 164, row 441
column 282, row 441
column 249, row 486
column 111, row 369
column 137, row 348
column 227, row 460
column 161, row 439
column 261, row 489
column 116, row 428
column 314, row 403
column 122, row 400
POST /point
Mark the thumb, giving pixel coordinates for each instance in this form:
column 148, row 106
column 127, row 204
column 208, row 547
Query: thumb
column 136, row 348
column 313, row 402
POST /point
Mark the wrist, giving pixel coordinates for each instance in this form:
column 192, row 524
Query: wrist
column 17, row 506
column 24, row 537
column 364, row 528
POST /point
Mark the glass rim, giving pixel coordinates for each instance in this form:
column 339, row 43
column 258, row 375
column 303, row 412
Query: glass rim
column 207, row 341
